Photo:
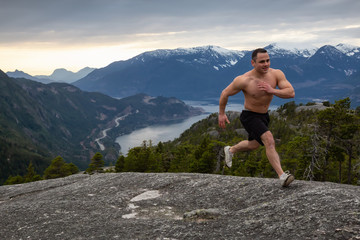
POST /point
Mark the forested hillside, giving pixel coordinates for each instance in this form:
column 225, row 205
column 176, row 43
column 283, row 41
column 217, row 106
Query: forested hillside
column 313, row 144
column 39, row 122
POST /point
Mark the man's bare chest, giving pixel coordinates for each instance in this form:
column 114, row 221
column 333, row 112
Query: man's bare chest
column 253, row 90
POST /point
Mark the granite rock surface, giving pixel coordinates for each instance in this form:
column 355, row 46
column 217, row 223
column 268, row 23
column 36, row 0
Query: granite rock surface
column 178, row 206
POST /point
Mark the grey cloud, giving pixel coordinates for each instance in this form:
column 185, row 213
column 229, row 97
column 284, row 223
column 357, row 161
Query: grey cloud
column 106, row 20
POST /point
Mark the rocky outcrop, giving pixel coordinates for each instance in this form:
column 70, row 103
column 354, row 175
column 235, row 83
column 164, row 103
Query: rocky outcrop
column 315, row 107
column 178, row 206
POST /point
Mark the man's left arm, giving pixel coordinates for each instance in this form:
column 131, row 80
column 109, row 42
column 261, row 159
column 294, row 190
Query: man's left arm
column 285, row 89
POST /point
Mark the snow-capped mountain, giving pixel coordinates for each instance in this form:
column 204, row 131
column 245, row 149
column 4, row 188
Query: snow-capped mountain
column 275, row 49
column 221, row 57
column 215, row 51
column 325, row 73
column 349, row 50
column 202, row 72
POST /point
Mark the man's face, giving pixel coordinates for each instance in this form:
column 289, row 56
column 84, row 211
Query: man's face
column 261, row 63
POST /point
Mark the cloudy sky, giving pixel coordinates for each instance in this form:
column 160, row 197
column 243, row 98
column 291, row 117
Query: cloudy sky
column 38, row 36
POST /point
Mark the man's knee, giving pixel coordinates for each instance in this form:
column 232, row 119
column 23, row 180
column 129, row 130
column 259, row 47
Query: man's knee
column 268, row 139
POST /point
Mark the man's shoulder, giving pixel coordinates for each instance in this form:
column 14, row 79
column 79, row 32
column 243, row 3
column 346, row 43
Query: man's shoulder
column 276, row 71
column 244, row 78
column 277, row 74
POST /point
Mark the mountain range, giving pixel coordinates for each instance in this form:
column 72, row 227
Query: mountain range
column 39, row 122
column 324, row 74
column 320, row 74
column 59, row 75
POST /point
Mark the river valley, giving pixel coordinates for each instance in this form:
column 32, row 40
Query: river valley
column 168, row 132
column 165, row 132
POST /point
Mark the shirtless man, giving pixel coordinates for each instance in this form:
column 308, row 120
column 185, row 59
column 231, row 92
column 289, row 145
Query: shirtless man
column 259, row 87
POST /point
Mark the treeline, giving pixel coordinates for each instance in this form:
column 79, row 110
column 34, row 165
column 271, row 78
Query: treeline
column 58, row 168
column 319, row 145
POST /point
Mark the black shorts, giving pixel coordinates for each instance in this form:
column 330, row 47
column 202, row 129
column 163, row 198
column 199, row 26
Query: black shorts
column 256, row 124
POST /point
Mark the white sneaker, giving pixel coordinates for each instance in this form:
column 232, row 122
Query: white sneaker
column 228, row 156
column 286, row 178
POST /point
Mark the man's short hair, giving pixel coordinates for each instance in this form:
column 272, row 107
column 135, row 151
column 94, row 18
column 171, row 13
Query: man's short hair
column 255, row 53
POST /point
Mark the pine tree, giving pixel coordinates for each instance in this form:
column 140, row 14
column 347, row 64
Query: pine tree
column 346, row 132
column 14, row 180
column 59, row 168
column 119, row 166
column 31, row 175
column 340, row 126
column 97, row 163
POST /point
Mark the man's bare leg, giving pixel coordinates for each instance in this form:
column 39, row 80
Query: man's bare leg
column 274, row 159
column 269, row 143
column 245, row 145
column 241, row 146
column 271, row 153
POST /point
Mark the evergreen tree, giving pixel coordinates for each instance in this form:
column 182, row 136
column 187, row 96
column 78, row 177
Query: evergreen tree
column 71, row 168
column 204, row 157
column 346, row 135
column 337, row 155
column 97, row 163
column 59, row 168
column 137, row 159
column 14, row 180
column 181, row 158
column 298, row 157
column 119, row 166
column 340, row 126
column 327, row 120
column 31, row 175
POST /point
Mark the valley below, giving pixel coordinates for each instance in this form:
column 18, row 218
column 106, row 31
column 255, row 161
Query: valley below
column 167, row 132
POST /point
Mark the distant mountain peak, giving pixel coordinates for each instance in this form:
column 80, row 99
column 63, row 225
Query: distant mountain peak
column 328, row 49
column 61, row 70
column 20, row 74
column 275, row 48
column 199, row 72
column 16, row 71
column 216, row 51
column 348, row 49
column 64, row 75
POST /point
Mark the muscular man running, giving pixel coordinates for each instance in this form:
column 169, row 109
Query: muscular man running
column 259, row 85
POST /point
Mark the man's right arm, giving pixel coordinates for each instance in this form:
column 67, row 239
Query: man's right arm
column 230, row 90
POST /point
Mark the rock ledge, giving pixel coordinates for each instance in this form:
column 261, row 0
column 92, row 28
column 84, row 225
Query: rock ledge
column 178, row 206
